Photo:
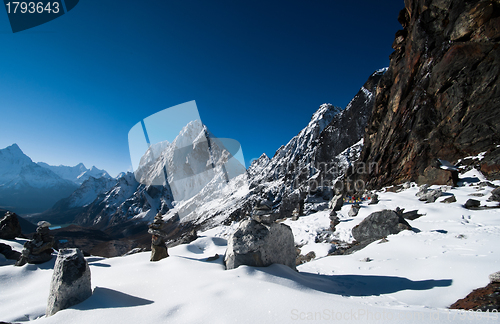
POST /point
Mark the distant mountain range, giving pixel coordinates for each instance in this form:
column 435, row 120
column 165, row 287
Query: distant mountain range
column 27, row 187
column 77, row 174
column 284, row 181
column 292, row 179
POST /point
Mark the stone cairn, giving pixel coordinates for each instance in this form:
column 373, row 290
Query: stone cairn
column 39, row 249
column 158, row 245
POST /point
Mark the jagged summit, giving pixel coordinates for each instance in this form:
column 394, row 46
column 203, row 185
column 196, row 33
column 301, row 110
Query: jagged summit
column 77, row 174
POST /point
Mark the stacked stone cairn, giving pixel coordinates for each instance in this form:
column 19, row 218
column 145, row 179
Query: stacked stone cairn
column 39, row 249
column 158, row 245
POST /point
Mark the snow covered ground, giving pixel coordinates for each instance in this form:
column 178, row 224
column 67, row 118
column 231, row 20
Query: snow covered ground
column 412, row 278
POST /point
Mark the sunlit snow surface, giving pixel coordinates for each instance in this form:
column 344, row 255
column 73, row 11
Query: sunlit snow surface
column 411, row 278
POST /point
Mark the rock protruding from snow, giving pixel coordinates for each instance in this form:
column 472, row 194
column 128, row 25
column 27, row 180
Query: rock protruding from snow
column 9, row 226
column 8, row 253
column 472, row 203
column 257, row 244
column 379, row 225
column 70, row 281
column 495, row 195
column 449, row 200
column 336, row 203
column 374, row 200
column 158, row 245
column 353, row 212
column 495, row 277
column 39, row 249
column 430, row 196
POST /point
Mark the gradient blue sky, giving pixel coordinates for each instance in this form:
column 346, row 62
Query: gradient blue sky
column 71, row 89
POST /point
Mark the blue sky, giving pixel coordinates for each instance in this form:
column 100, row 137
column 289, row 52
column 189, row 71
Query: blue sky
column 71, row 89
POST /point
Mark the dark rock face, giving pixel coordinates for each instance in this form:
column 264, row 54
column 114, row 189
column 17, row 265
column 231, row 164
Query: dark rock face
column 482, row 299
column 379, row 225
column 440, row 97
column 70, row 283
column 10, row 227
column 260, row 245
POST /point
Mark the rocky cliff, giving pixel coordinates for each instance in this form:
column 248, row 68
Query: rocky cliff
column 440, row 97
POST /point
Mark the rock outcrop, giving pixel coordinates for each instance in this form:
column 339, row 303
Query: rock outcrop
column 260, row 245
column 440, row 97
column 39, row 249
column 379, row 225
column 10, row 227
column 70, row 283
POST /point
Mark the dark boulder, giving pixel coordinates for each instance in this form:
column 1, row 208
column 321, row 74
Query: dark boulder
column 449, row 200
column 495, row 195
column 10, row 227
column 379, row 225
column 472, row 203
column 411, row 215
column 9, row 254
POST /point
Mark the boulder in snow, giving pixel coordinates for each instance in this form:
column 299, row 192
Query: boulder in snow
column 379, row 225
column 70, row 281
column 258, row 244
column 9, row 254
column 9, row 226
column 353, row 212
column 374, row 200
column 495, row 195
column 430, row 196
column 449, row 200
column 472, row 203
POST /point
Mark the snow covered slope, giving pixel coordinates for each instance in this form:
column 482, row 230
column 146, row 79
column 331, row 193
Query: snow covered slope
column 65, row 210
column 412, row 278
column 26, row 187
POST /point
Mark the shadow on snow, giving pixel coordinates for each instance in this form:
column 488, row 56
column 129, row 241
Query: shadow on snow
column 351, row 285
column 109, row 298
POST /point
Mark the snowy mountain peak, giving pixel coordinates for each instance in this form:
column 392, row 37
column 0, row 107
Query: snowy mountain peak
column 323, row 116
column 13, row 154
column 190, row 133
